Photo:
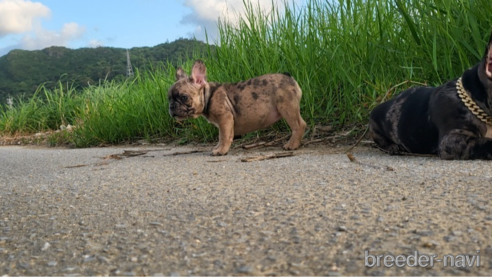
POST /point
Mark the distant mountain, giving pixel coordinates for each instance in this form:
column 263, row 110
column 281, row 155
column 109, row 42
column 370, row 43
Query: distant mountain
column 21, row 71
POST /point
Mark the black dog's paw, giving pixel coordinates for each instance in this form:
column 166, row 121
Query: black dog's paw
column 394, row 150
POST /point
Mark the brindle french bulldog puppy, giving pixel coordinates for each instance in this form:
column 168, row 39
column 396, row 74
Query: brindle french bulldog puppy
column 238, row 108
column 429, row 120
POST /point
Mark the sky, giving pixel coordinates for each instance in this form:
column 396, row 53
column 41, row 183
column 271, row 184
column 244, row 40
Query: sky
column 37, row 24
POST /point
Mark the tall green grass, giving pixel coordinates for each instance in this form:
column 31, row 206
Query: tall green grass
column 109, row 113
column 345, row 55
column 46, row 110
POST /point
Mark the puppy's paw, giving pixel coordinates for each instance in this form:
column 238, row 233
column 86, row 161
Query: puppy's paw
column 218, row 152
column 291, row 146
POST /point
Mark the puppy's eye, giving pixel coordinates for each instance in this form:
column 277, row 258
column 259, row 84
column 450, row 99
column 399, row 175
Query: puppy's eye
column 183, row 98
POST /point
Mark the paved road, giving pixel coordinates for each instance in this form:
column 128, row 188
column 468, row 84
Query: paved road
column 95, row 211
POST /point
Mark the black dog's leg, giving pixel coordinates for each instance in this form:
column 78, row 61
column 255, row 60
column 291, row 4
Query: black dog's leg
column 464, row 145
column 383, row 142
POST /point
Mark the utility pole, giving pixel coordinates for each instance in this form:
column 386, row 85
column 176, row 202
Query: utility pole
column 129, row 69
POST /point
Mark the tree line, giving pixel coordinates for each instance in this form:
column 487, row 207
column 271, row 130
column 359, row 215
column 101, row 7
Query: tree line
column 23, row 71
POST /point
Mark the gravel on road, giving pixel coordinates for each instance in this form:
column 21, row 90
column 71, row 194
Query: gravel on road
column 104, row 211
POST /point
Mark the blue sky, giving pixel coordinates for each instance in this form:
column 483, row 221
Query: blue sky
column 37, row 24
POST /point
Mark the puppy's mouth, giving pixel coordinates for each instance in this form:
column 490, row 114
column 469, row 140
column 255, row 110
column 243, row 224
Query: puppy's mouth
column 180, row 116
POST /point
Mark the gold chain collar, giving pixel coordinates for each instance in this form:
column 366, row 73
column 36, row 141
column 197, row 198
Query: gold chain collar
column 470, row 104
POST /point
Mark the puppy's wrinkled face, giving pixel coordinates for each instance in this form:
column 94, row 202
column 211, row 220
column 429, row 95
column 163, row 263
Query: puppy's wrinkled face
column 184, row 100
column 185, row 97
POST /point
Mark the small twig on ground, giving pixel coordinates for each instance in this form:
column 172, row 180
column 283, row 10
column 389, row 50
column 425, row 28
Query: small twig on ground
column 334, row 137
column 126, row 153
column 316, row 140
column 268, row 157
column 253, row 145
column 184, row 153
column 352, row 158
column 112, row 156
column 323, row 129
column 359, row 140
column 263, row 143
column 75, row 166
column 133, row 153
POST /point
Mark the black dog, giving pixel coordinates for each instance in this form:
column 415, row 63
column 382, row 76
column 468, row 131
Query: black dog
column 453, row 120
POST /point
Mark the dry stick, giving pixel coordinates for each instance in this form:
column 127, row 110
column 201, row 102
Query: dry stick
column 358, row 141
column 184, row 153
column 327, row 138
column 75, row 166
column 277, row 140
column 249, row 142
column 254, row 145
column 133, row 153
column 267, row 157
column 316, row 140
column 217, row 161
column 126, row 153
column 262, row 143
column 354, row 160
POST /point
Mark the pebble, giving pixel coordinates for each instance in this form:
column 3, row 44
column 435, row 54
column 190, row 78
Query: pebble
column 45, row 246
column 449, row 238
column 88, row 259
column 244, row 269
column 221, row 224
column 457, row 233
column 103, row 259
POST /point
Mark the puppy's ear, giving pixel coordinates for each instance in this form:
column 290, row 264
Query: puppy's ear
column 488, row 59
column 199, row 73
column 180, row 74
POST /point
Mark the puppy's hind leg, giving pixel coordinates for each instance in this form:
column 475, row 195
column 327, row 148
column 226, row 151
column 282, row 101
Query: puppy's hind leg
column 292, row 115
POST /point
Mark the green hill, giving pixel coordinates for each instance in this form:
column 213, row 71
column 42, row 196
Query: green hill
column 22, row 71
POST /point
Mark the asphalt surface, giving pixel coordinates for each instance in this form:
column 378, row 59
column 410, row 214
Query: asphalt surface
column 101, row 212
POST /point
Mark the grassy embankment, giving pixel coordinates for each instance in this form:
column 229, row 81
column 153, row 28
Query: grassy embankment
column 345, row 56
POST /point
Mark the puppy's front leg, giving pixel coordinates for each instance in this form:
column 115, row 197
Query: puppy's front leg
column 226, row 135
column 464, row 145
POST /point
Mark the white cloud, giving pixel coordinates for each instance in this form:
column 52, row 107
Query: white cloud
column 95, row 43
column 21, row 19
column 19, row 16
column 205, row 13
column 45, row 38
